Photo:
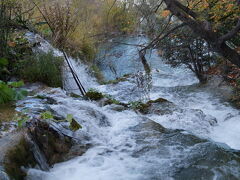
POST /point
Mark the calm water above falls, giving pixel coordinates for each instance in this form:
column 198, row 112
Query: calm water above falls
column 192, row 139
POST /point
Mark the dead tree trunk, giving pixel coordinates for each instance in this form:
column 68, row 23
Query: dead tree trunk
column 144, row 61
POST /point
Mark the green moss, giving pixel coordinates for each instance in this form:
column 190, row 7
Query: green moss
column 94, row 95
column 141, row 107
column 40, row 97
column 159, row 100
column 144, row 107
column 117, row 80
column 18, row 157
column 111, row 100
column 75, row 95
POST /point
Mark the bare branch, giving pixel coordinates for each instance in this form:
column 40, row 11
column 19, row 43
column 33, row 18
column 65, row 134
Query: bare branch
column 231, row 33
column 160, row 37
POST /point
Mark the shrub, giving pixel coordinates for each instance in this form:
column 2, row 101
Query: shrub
column 119, row 16
column 45, row 68
column 10, row 92
column 3, row 68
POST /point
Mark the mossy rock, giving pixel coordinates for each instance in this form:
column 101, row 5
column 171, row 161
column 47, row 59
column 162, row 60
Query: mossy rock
column 53, row 144
column 18, row 157
column 73, row 95
column 159, row 100
column 115, row 81
column 145, row 108
column 94, row 95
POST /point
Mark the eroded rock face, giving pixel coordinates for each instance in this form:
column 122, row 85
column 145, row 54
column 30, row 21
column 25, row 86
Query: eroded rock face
column 190, row 157
column 3, row 174
column 51, row 142
column 40, row 145
column 159, row 106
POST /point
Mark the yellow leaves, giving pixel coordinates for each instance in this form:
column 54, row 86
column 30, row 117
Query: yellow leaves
column 229, row 6
column 205, row 4
column 216, row 11
column 11, row 44
column 165, row 13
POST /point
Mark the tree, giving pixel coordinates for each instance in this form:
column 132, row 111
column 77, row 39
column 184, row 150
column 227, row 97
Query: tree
column 184, row 48
column 213, row 21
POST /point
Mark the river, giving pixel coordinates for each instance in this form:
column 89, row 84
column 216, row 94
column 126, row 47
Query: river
column 194, row 137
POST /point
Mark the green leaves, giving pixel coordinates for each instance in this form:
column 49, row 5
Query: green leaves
column 3, row 62
column 21, row 119
column 10, row 92
column 46, row 115
column 6, row 93
column 74, row 125
column 17, row 84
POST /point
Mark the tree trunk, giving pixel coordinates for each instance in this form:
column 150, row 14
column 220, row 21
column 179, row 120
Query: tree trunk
column 146, row 66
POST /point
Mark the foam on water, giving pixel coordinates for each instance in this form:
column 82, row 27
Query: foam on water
column 122, row 150
column 125, row 145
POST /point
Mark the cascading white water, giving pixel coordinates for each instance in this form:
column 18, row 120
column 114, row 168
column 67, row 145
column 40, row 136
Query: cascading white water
column 127, row 145
column 201, row 111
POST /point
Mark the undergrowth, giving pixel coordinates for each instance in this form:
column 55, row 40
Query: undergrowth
column 44, row 67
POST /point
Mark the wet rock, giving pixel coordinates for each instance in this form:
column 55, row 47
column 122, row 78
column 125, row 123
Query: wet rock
column 17, row 158
column 77, row 150
column 3, row 174
column 118, row 108
column 100, row 117
column 40, row 145
column 48, row 100
column 8, row 142
column 220, row 86
column 104, row 102
column 73, row 95
column 190, row 157
column 159, row 106
column 53, row 143
column 12, row 152
column 109, row 101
